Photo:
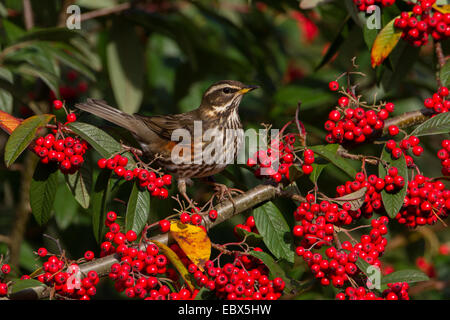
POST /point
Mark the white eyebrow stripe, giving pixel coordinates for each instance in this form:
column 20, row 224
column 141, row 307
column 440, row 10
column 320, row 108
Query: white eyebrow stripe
column 221, row 86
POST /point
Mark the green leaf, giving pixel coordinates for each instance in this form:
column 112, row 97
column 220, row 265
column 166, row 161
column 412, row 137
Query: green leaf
column 294, row 172
column 60, row 52
column 50, row 79
column 65, row 207
column 23, row 135
column 138, row 209
column 6, row 98
column 106, row 145
column 203, row 294
column 125, row 66
column 393, row 201
column 50, row 34
column 20, row 285
column 97, row 138
column 408, row 276
column 80, row 185
column 439, row 124
column 43, row 189
column 363, row 265
column 445, row 75
column 6, row 74
column 275, row 231
column 6, row 101
column 252, row 238
column 336, row 44
column 97, row 4
column 327, row 152
column 317, row 170
column 99, row 199
column 319, row 165
column 274, row 268
column 27, row 257
column 12, row 31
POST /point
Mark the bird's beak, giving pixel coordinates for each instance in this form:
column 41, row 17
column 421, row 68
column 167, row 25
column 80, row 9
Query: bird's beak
column 247, row 89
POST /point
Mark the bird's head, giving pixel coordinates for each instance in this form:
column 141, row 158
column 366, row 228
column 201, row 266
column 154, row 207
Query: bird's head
column 224, row 96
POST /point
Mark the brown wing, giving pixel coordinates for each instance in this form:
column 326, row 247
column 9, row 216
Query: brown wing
column 164, row 126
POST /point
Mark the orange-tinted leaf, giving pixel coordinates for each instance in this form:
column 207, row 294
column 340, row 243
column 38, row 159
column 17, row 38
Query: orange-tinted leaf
column 8, row 122
column 194, row 242
column 384, row 43
column 176, row 262
column 442, row 9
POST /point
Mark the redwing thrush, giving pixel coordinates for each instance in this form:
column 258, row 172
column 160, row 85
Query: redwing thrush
column 217, row 112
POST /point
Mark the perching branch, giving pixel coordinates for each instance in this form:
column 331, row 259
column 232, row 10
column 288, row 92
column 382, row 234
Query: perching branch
column 225, row 211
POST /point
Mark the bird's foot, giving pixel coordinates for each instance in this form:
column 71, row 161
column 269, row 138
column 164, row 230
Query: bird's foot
column 182, row 189
column 223, row 191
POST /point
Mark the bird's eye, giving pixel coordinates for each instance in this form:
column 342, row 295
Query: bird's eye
column 226, row 90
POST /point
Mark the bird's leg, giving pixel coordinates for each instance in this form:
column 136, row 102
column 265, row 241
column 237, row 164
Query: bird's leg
column 182, row 189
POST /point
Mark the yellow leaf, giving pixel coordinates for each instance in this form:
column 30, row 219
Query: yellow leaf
column 442, row 9
column 384, row 43
column 194, row 242
column 176, row 262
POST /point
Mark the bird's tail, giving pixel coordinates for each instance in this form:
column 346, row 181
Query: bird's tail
column 104, row 111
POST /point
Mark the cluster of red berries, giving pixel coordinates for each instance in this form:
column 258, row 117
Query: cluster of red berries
column 338, row 265
column 346, row 124
column 5, row 269
column 395, row 291
column 195, row 218
column 397, row 149
column 423, row 22
column 364, row 5
column 438, row 102
column 426, row 201
column 66, row 152
column 145, row 179
column 276, row 160
column 393, row 182
column 73, row 88
column 244, row 279
column 444, row 155
column 67, row 282
column 137, row 272
column 248, row 226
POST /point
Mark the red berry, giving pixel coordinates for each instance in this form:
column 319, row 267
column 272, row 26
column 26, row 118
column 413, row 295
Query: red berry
column 6, row 268
column 307, row 169
column 89, row 255
column 185, row 218
column 131, row 236
column 71, row 117
column 393, row 130
column 213, row 214
column 333, row 85
column 196, row 219
column 164, row 225
column 57, row 104
column 417, row 150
